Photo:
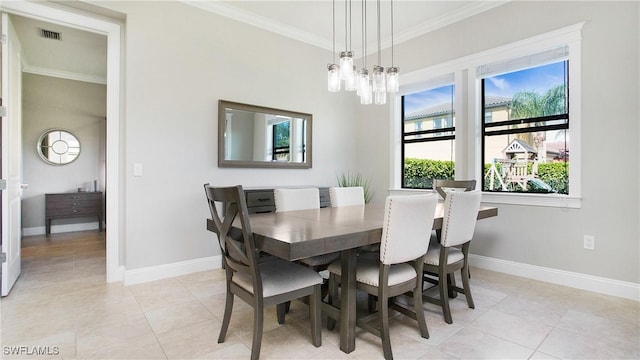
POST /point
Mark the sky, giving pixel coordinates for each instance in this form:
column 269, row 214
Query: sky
column 538, row 79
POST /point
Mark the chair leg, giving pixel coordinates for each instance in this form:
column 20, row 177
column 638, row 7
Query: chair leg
column 444, row 299
column 419, row 310
column 371, row 303
column 333, row 297
column 228, row 307
column 316, row 315
column 281, row 310
column 451, row 281
column 467, row 288
column 258, row 314
column 384, row 327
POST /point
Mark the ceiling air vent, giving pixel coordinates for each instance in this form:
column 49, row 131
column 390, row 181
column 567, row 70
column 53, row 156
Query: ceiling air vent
column 48, row 34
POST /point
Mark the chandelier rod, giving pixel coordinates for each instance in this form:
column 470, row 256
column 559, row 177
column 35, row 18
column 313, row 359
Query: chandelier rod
column 379, row 44
column 392, row 33
column 333, row 19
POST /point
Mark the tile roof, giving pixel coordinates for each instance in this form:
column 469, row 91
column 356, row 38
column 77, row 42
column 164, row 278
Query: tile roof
column 446, row 108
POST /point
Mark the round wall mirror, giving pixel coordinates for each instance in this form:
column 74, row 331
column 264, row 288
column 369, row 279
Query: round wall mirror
column 58, row 147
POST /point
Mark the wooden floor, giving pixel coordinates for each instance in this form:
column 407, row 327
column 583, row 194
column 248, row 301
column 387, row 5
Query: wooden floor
column 59, row 247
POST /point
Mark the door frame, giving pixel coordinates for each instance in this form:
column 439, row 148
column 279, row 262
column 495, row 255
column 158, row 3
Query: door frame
column 114, row 228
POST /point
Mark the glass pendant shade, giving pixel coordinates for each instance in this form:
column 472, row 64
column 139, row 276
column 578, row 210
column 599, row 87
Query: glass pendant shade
column 380, row 97
column 346, row 65
column 366, row 95
column 378, row 79
column 363, row 81
column 333, row 78
column 393, row 80
column 351, row 84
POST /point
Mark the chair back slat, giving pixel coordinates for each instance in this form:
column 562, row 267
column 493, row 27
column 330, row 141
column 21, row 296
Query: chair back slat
column 236, row 243
column 407, row 225
column 460, row 216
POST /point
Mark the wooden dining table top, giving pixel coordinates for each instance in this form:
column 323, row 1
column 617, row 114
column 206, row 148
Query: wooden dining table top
column 294, row 235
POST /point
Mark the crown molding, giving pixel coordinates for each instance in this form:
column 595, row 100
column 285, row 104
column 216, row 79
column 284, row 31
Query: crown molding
column 223, row 9
column 262, row 22
column 470, row 10
column 38, row 70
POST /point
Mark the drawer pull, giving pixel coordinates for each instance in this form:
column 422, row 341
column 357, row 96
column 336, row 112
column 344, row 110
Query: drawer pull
column 264, row 199
column 75, row 211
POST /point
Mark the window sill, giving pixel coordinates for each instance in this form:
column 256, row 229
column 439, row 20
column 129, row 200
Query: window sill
column 548, row 200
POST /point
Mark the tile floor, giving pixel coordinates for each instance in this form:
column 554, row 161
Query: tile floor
column 62, row 305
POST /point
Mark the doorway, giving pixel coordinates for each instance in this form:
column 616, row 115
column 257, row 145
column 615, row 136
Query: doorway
column 111, row 30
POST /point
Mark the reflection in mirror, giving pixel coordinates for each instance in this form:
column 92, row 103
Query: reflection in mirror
column 58, row 147
column 254, row 136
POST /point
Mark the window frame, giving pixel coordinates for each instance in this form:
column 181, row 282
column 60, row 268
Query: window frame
column 433, row 134
column 468, row 141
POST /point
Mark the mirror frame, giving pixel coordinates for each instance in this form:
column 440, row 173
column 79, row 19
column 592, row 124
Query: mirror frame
column 45, row 158
column 222, row 162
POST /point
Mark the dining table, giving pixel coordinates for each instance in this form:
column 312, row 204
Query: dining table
column 295, row 235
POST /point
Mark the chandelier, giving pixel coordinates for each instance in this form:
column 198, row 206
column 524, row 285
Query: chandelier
column 371, row 89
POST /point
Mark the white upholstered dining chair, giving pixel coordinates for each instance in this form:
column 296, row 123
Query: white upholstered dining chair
column 296, row 199
column 303, row 199
column 346, row 196
column 445, row 257
column 397, row 268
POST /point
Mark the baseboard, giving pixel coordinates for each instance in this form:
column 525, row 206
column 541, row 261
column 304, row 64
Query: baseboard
column 40, row 230
column 160, row 272
column 596, row 284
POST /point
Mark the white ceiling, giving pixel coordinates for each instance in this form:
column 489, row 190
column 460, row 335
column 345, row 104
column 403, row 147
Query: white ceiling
column 82, row 55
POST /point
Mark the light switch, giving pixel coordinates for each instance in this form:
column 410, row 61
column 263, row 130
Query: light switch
column 137, row 169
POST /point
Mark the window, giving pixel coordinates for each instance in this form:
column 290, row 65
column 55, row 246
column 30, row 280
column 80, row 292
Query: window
column 280, row 141
column 511, row 121
column 525, row 142
column 428, row 136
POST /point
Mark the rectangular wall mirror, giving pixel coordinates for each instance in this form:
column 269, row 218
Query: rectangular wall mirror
column 257, row 136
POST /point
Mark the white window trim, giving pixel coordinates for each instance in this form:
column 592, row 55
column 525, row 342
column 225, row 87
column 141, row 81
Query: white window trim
column 468, row 112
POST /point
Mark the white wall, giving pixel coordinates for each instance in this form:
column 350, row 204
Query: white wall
column 542, row 236
column 76, row 106
column 179, row 62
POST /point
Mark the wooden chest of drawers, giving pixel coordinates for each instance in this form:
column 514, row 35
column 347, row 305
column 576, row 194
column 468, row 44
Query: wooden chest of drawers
column 262, row 200
column 73, row 205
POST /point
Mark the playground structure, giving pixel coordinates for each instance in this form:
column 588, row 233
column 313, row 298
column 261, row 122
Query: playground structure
column 514, row 169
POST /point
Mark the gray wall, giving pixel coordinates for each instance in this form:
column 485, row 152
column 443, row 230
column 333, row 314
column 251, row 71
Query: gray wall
column 76, row 106
column 543, row 236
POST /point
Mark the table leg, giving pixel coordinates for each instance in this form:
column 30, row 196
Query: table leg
column 348, row 301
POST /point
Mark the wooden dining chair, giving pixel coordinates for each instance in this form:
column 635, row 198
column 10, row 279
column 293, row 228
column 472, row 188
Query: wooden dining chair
column 346, row 196
column 442, row 186
column 397, row 269
column 259, row 284
column 444, row 258
column 304, row 199
column 350, row 196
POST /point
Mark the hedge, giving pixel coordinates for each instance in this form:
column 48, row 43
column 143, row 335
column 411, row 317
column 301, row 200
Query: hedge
column 419, row 173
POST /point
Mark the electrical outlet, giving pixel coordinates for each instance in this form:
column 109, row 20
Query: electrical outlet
column 589, row 242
